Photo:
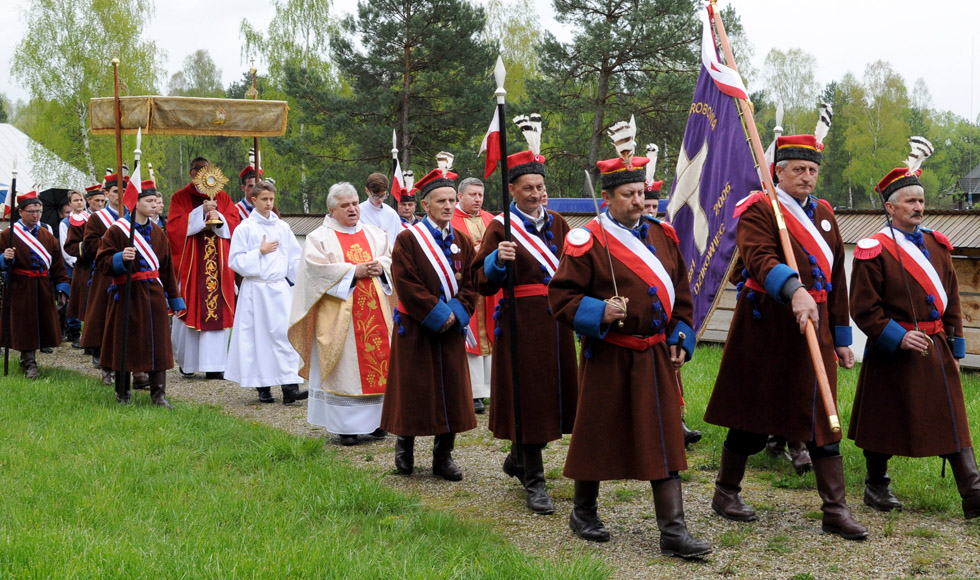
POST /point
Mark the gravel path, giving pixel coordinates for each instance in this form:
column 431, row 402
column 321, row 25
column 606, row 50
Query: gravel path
column 786, row 542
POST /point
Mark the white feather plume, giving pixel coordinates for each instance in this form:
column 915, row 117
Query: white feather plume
column 251, row 156
column 652, row 151
column 530, row 126
column 409, row 179
column 623, row 136
column 823, row 124
column 921, row 150
column 152, row 178
column 444, row 161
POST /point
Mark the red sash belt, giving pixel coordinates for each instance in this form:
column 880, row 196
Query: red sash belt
column 930, row 327
column 31, row 273
column 634, row 342
column 525, row 290
column 819, row 296
column 147, row 275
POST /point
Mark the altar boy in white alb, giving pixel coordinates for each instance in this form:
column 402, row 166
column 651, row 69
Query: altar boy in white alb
column 265, row 253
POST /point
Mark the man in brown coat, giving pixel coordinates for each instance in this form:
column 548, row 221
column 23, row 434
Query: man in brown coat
column 766, row 383
column 428, row 391
column 909, row 399
column 627, row 425
column 37, row 272
column 547, row 371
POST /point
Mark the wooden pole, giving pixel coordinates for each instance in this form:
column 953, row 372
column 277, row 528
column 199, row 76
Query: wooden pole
column 758, row 151
column 8, row 319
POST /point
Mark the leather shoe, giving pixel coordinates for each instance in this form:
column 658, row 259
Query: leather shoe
column 215, row 375
column 265, row 395
column 108, row 378
column 478, row 407
column 348, row 440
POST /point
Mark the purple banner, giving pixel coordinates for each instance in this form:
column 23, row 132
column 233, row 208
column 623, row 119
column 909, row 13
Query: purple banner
column 715, row 170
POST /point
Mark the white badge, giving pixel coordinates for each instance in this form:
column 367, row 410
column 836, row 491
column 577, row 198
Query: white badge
column 454, row 249
column 825, row 225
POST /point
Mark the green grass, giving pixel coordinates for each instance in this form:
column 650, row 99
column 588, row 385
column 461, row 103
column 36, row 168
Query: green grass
column 92, row 489
column 916, row 481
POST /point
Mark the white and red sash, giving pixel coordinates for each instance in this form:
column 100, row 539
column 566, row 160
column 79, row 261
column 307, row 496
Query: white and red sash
column 804, row 232
column 437, row 259
column 33, row 244
column 105, row 217
column 532, row 243
column 637, row 257
column 243, row 210
column 917, row 264
column 144, row 248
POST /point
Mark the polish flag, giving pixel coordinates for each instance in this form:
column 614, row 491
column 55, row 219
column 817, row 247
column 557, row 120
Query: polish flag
column 397, row 182
column 132, row 194
column 491, row 144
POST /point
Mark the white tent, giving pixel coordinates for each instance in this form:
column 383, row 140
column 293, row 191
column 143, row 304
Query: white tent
column 14, row 144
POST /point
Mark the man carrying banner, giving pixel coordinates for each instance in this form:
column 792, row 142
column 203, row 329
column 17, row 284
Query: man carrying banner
column 905, row 297
column 623, row 286
column 207, row 283
column 548, row 372
column 470, row 217
column 98, row 291
column 767, row 383
column 153, row 294
column 428, row 389
column 82, row 274
column 36, row 273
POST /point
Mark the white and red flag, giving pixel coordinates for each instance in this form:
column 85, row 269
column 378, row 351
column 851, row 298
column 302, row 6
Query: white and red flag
column 133, row 189
column 491, row 144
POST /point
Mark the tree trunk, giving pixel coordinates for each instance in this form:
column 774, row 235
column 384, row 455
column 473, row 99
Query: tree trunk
column 302, row 175
column 599, row 121
column 406, row 88
column 82, row 112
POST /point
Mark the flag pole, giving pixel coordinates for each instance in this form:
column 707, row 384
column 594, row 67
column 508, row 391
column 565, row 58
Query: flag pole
column 500, row 74
column 122, row 379
column 823, row 383
column 8, row 320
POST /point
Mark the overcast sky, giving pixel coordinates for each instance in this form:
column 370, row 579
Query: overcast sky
column 933, row 40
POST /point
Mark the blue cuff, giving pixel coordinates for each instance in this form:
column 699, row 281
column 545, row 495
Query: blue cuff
column 177, row 304
column 588, row 317
column 3, row 262
column 689, row 342
column 843, row 336
column 64, row 288
column 776, row 279
column 437, row 317
column 891, row 337
column 118, row 266
column 495, row 272
column 959, row 347
column 460, row 311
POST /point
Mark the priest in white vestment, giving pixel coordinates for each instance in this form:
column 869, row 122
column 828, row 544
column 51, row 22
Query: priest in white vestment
column 341, row 319
column 265, row 253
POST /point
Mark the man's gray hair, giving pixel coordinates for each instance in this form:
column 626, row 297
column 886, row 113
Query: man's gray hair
column 337, row 191
column 893, row 198
column 782, row 164
column 468, row 182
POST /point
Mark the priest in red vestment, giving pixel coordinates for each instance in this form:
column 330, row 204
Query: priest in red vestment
column 207, row 283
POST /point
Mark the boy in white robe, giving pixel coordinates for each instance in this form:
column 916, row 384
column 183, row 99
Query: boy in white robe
column 265, row 253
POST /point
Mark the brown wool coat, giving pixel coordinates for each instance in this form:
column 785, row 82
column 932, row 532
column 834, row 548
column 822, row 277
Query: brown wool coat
column 149, row 347
column 766, row 383
column 98, row 290
column 81, row 274
column 34, row 323
column 628, row 421
column 428, row 391
column 548, row 373
column 906, row 404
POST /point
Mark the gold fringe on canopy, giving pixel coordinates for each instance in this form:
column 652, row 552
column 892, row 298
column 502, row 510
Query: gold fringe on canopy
column 190, row 116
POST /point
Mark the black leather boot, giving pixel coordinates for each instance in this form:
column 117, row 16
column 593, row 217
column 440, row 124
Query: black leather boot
column 837, row 518
column 514, row 462
column 28, row 362
column 537, row 496
column 122, row 387
column 799, row 457
column 691, row 436
column 675, row 539
column 964, row 465
column 877, row 493
column 405, row 454
column 158, row 389
column 727, row 502
column 291, row 394
column 141, row 381
column 775, row 446
column 584, row 519
column 442, row 457
column 265, row 395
